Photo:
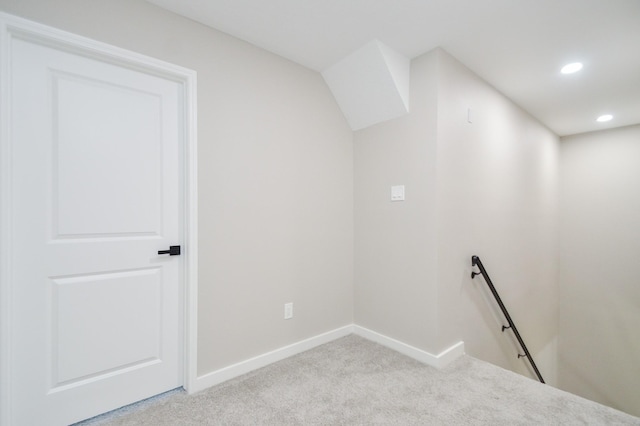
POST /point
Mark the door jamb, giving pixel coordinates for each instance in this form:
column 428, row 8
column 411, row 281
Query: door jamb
column 12, row 27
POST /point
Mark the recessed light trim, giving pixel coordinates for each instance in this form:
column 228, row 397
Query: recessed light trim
column 604, row 118
column 571, row 68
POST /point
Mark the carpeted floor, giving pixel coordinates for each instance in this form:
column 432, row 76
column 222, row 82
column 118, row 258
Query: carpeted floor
column 352, row 381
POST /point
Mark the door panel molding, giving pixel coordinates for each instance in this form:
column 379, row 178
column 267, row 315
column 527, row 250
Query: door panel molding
column 14, row 28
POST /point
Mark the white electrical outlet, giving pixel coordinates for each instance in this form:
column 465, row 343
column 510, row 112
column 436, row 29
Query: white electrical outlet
column 397, row 193
column 288, row 310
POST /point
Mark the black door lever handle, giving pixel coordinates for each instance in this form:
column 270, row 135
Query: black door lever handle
column 173, row 251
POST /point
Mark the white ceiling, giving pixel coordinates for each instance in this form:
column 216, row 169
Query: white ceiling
column 518, row 46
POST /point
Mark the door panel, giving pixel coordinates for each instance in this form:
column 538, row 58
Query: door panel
column 88, row 142
column 88, row 340
column 96, row 155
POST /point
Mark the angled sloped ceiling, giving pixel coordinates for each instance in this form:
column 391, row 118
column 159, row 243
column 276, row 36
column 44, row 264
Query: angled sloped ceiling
column 371, row 85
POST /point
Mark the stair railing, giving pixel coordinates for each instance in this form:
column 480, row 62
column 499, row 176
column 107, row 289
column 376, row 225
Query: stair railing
column 475, row 261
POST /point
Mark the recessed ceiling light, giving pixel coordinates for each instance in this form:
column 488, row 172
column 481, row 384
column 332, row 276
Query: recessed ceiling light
column 571, row 68
column 603, row 118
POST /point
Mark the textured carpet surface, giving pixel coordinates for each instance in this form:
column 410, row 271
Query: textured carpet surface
column 352, row 381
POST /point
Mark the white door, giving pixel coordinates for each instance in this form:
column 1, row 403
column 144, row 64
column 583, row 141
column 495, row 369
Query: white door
column 97, row 313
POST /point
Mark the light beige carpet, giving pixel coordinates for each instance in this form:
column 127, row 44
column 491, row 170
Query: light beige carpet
column 353, row 381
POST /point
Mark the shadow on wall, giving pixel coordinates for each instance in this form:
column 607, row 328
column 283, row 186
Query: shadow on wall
column 589, row 388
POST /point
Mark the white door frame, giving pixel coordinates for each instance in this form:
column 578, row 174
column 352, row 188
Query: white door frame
column 12, row 27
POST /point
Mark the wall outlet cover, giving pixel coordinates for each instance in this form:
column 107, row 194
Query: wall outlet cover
column 397, row 193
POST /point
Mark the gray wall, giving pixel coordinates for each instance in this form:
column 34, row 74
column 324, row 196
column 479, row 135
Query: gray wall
column 275, row 178
column 487, row 188
column 599, row 343
column 395, row 287
column 497, row 198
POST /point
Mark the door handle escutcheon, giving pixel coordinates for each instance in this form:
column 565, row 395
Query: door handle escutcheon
column 173, row 251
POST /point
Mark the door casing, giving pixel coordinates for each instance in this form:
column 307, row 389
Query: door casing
column 12, row 27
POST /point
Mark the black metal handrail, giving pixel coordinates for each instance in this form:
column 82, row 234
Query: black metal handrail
column 475, row 261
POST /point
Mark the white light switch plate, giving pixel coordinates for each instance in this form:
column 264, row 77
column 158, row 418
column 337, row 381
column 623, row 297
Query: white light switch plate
column 397, row 193
column 288, row 310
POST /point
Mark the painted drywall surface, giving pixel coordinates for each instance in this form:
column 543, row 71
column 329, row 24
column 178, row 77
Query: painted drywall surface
column 497, row 198
column 599, row 341
column 395, row 291
column 488, row 188
column 275, row 178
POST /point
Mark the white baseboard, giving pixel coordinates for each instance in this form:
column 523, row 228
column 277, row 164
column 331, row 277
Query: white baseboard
column 438, row 361
column 235, row 370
